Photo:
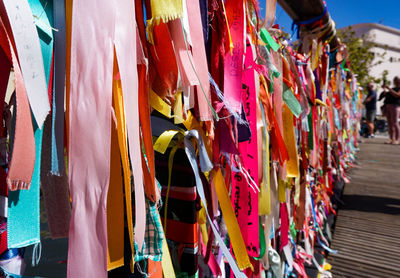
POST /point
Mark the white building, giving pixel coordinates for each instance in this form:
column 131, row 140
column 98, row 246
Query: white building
column 387, row 40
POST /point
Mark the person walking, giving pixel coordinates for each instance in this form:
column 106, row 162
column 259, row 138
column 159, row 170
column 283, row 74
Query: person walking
column 392, row 107
column 370, row 106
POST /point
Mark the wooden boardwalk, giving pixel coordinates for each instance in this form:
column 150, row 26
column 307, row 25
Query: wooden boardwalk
column 367, row 230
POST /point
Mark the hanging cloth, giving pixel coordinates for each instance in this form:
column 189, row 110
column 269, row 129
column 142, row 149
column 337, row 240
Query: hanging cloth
column 54, row 181
column 29, row 54
column 126, row 49
column 233, row 62
column 23, row 152
column 115, row 201
column 57, row 150
column 203, row 92
column 292, row 165
column 23, row 201
column 270, row 13
column 163, row 62
column 166, row 10
column 147, row 154
column 144, row 108
column 17, row 213
column 90, row 102
column 183, row 56
column 239, row 247
column 123, row 147
column 277, row 101
column 249, row 152
column 264, row 203
column 279, row 151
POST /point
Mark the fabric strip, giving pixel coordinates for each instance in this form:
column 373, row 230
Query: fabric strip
column 264, row 204
column 144, row 117
column 166, row 10
column 206, row 165
column 270, row 13
column 123, row 147
column 28, row 201
column 29, row 54
column 200, row 61
column 23, row 207
column 90, row 95
column 249, row 151
column 292, row 165
column 23, row 147
column 125, row 46
column 240, row 193
column 239, row 247
column 233, row 59
column 54, row 182
column 115, row 208
column 57, row 166
column 183, row 56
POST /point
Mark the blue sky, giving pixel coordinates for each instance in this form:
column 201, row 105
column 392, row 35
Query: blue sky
column 348, row 12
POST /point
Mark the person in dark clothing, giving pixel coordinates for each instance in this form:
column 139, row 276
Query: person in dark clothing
column 392, row 110
column 370, row 106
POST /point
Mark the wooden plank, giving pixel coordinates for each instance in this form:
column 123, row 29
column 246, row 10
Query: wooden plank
column 367, row 230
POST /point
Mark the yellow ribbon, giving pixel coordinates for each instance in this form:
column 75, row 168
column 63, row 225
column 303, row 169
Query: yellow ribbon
column 115, row 208
column 292, row 165
column 159, row 104
column 264, row 204
column 178, row 111
column 122, row 141
column 320, row 102
column 170, row 163
column 202, row 221
column 166, row 262
column 238, row 245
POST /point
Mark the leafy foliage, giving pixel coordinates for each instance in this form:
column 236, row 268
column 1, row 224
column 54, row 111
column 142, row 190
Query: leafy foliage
column 361, row 57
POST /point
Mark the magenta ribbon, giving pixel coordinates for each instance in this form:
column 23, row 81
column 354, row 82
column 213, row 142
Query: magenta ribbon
column 249, row 151
column 234, row 59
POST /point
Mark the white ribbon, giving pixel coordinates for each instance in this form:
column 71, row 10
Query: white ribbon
column 30, row 57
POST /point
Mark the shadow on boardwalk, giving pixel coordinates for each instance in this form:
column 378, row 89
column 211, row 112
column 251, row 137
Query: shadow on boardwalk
column 372, row 204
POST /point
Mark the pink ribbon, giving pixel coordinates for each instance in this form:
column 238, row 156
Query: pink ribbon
column 90, row 135
column 184, row 57
column 95, row 29
column 200, row 60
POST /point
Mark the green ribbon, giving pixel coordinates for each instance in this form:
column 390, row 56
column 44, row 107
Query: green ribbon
column 262, row 241
column 269, row 40
column 291, row 101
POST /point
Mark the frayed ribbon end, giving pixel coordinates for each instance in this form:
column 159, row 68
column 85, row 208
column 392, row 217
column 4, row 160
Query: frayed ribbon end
column 14, row 185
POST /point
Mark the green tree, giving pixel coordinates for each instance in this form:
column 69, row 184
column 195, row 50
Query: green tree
column 361, row 57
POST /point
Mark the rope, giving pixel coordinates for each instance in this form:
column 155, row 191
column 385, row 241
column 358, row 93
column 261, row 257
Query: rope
column 299, row 23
